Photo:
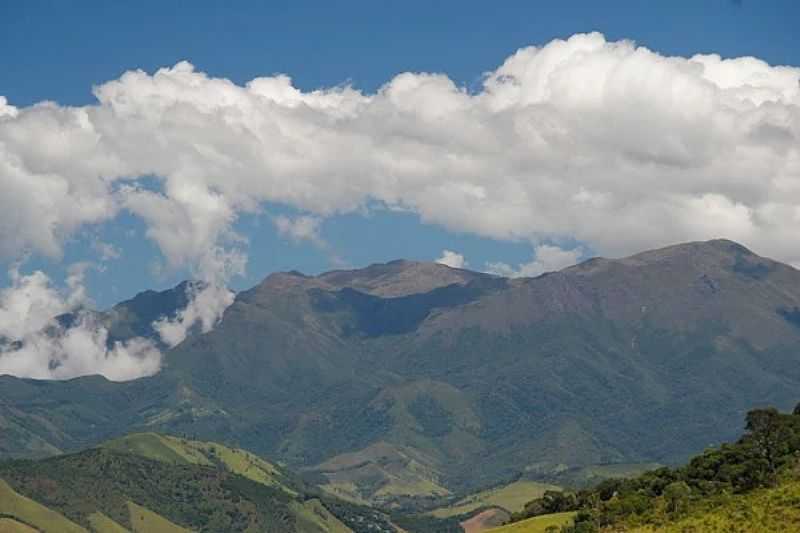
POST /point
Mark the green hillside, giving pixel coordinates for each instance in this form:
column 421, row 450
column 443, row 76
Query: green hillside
column 511, row 497
column 9, row 525
column 158, row 447
column 30, row 513
column 152, row 483
column 102, row 524
column 144, row 520
column 766, row 510
column 752, row 485
column 19, row 514
column 313, row 514
column 380, row 474
column 538, row 524
column 167, row 448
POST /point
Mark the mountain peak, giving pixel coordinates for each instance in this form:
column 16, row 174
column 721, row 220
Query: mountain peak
column 715, row 247
column 291, row 279
column 400, row 277
column 176, row 296
column 715, row 253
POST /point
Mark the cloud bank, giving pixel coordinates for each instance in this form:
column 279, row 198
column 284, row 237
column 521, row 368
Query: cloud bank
column 605, row 142
column 34, row 344
column 580, row 140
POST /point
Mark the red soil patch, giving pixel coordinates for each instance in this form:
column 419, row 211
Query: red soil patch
column 485, row 520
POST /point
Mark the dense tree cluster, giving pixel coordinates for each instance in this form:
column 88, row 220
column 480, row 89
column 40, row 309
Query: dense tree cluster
column 766, row 452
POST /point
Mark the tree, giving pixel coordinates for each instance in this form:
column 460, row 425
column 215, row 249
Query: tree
column 552, row 501
column 768, row 436
column 677, row 495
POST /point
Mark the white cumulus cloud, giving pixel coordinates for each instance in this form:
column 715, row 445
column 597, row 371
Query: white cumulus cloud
column 300, row 228
column 452, row 259
column 601, row 142
column 605, row 142
column 547, row 258
column 206, row 305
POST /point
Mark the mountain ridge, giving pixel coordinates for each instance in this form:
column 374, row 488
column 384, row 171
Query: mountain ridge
column 492, row 376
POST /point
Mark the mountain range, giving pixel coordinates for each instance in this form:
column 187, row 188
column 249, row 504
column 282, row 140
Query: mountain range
column 410, row 381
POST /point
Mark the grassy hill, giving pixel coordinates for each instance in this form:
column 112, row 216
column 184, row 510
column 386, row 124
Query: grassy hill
column 156, row 483
column 103, row 524
column 9, row 525
column 765, row 510
column 511, row 497
column 538, row 524
column 144, row 520
column 751, row 485
column 589, row 475
column 25, row 511
column 380, row 474
column 175, row 450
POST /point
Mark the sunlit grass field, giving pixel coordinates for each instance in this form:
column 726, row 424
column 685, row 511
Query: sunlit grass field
column 537, row 524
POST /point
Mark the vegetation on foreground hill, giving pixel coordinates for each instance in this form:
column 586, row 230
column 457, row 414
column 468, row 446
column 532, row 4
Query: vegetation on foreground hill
column 750, row 485
column 511, row 497
column 176, row 450
column 149, row 482
column 538, row 524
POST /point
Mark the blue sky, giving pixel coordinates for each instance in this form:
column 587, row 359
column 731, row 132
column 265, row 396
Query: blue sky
column 59, row 50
